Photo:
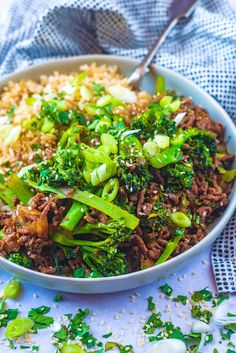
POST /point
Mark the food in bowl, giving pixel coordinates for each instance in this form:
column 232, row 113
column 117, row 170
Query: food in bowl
column 98, row 179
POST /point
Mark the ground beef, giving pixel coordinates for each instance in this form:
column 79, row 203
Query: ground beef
column 28, row 228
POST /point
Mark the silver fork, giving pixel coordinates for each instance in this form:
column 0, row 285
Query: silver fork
column 179, row 9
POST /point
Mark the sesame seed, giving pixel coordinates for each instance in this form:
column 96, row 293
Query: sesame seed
column 167, row 308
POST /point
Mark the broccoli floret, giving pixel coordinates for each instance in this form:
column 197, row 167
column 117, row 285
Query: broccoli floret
column 20, row 259
column 134, row 176
column 116, row 231
column 107, row 264
column 133, row 167
column 55, row 111
column 178, row 176
column 203, row 148
column 100, row 255
column 154, row 120
column 65, row 169
column 66, row 166
column 165, row 126
column 158, row 219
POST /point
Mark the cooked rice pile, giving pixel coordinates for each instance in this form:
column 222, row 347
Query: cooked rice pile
column 142, row 249
column 15, row 94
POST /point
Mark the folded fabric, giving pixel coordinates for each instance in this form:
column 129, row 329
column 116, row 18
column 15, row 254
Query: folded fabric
column 202, row 47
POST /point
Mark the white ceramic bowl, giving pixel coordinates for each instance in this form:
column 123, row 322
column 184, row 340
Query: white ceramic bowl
column 182, row 86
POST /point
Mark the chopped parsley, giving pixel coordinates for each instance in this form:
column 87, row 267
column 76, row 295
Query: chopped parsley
column 202, row 314
column 166, row 289
column 7, row 315
column 151, row 305
column 107, row 335
column 77, row 327
column 58, row 298
column 79, row 273
column 38, row 315
column 11, row 110
column 35, row 146
column 181, row 298
column 168, row 330
column 231, row 327
column 37, row 158
column 219, row 299
column 153, row 323
column 98, row 89
column 121, row 348
column 202, row 295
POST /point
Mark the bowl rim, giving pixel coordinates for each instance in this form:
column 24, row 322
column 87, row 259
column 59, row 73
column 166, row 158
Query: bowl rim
column 171, row 262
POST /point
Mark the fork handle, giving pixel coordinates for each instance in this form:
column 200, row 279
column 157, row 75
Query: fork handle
column 142, row 68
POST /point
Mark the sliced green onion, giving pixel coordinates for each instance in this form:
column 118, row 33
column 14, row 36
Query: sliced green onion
column 122, row 93
column 93, row 110
column 151, row 149
column 103, row 123
column 162, row 141
column 47, row 125
column 175, row 105
column 169, row 155
column 104, row 100
column 160, row 84
column 13, row 135
column 85, row 93
column 102, row 173
column 12, row 290
column 110, row 190
column 180, row 219
column 18, row 327
column 179, row 117
column 109, row 142
column 165, row 101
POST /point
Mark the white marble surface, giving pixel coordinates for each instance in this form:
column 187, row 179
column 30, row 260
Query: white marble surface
column 120, row 314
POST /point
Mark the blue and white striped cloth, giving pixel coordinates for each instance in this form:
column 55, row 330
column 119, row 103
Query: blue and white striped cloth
column 202, row 48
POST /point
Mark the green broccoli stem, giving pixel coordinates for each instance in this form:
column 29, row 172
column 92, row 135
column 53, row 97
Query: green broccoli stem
column 73, row 216
column 20, row 189
column 87, row 253
column 167, row 156
column 62, row 239
column 173, row 153
column 169, row 249
column 7, row 196
column 93, row 201
column 99, row 229
column 103, row 206
column 185, row 135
